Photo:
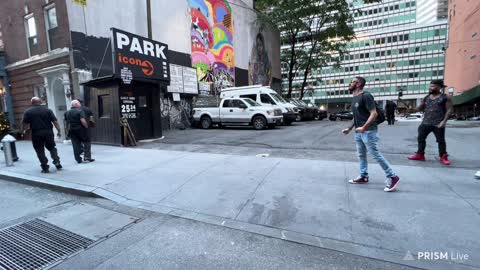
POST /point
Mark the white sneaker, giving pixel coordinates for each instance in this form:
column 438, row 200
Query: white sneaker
column 477, row 175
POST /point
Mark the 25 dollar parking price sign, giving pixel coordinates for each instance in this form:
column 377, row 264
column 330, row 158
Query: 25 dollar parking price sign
column 128, row 107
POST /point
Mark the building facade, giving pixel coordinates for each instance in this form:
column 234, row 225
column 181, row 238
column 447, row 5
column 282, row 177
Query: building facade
column 55, row 49
column 399, row 46
column 463, row 56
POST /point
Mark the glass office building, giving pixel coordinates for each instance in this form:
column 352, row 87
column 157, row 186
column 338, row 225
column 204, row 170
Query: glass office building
column 399, row 47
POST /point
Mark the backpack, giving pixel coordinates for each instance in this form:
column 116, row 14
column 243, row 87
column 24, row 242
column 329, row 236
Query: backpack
column 380, row 113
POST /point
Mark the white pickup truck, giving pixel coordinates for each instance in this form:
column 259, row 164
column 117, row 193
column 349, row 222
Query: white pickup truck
column 238, row 112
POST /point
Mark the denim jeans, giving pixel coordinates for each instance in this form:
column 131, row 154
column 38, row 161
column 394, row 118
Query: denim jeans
column 369, row 141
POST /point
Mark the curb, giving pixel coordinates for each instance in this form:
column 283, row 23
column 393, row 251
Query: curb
column 52, row 184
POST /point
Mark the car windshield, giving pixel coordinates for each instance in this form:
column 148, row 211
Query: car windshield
column 251, row 102
column 278, row 98
column 295, row 102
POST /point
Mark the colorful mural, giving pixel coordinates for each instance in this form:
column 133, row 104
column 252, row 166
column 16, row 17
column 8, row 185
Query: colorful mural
column 212, row 42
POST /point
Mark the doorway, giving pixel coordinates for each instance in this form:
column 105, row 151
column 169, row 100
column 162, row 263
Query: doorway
column 139, row 109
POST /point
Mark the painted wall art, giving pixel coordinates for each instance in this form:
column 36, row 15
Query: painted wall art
column 212, row 42
column 260, row 66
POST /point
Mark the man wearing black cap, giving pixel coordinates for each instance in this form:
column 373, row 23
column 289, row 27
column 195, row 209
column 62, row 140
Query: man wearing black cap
column 437, row 107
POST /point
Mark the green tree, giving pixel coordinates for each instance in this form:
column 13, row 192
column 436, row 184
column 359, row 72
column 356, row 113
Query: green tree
column 316, row 33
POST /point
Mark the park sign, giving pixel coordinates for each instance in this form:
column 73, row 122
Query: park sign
column 139, row 58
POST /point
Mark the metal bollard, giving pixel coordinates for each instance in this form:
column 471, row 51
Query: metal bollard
column 7, row 149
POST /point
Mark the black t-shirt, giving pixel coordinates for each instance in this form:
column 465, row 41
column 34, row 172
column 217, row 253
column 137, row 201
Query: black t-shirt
column 39, row 118
column 73, row 117
column 88, row 114
column 361, row 107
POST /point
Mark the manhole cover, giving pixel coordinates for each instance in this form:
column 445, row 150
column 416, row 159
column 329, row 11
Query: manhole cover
column 37, row 244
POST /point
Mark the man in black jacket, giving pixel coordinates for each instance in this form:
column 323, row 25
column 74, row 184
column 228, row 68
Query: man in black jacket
column 78, row 131
column 41, row 120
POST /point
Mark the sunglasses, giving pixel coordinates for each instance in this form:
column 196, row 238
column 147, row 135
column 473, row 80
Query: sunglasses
column 353, row 81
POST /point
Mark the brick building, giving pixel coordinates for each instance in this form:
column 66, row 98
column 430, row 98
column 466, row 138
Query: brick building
column 462, row 74
column 36, row 41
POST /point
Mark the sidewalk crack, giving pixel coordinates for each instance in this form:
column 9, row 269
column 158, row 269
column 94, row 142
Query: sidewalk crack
column 255, row 190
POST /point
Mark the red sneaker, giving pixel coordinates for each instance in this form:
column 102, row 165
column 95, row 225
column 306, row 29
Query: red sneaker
column 391, row 184
column 444, row 159
column 417, row 157
column 359, row 180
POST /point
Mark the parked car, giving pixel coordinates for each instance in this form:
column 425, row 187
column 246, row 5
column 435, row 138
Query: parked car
column 237, row 112
column 305, row 112
column 308, row 111
column 346, row 115
column 266, row 97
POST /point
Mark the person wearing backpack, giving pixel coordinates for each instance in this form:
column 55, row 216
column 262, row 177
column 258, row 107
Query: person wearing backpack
column 437, row 107
column 366, row 118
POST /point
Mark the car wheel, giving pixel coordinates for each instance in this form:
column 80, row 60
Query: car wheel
column 339, row 118
column 259, row 122
column 206, row 122
column 299, row 118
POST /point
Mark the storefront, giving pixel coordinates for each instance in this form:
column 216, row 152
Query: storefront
column 132, row 93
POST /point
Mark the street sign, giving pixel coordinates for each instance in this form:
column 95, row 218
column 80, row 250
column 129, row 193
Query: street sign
column 146, row 59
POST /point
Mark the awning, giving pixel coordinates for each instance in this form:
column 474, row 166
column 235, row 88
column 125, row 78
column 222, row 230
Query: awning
column 100, row 80
column 468, row 96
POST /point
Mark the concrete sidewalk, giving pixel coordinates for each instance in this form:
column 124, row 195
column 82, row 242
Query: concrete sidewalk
column 306, row 201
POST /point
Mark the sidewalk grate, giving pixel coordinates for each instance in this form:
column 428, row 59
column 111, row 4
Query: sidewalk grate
column 37, row 244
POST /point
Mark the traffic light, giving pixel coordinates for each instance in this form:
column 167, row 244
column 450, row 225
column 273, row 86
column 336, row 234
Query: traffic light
column 400, row 94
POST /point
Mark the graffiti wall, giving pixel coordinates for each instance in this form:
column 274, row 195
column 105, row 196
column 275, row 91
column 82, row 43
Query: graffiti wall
column 176, row 115
column 212, row 42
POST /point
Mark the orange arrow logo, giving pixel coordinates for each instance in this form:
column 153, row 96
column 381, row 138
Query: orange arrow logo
column 147, row 68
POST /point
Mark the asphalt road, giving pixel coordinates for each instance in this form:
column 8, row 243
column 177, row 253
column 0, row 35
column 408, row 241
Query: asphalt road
column 159, row 241
column 324, row 140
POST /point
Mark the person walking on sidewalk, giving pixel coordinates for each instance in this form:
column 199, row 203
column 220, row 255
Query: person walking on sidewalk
column 91, row 124
column 390, row 110
column 437, row 107
column 41, row 121
column 77, row 129
column 366, row 134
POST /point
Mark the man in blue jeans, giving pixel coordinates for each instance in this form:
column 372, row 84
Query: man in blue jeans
column 366, row 134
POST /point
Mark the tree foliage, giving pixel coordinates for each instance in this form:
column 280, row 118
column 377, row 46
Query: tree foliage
column 314, row 34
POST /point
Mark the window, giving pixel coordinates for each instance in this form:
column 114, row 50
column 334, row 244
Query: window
column 104, row 106
column 51, row 26
column 252, row 97
column 385, row 9
column 397, row 7
column 377, row 54
column 266, row 99
column 405, row 37
column 367, row 55
column 237, row 103
column 389, row 40
column 394, row 39
column 389, row 52
column 142, row 102
column 31, row 31
column 362, row 55
column 407, row 4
